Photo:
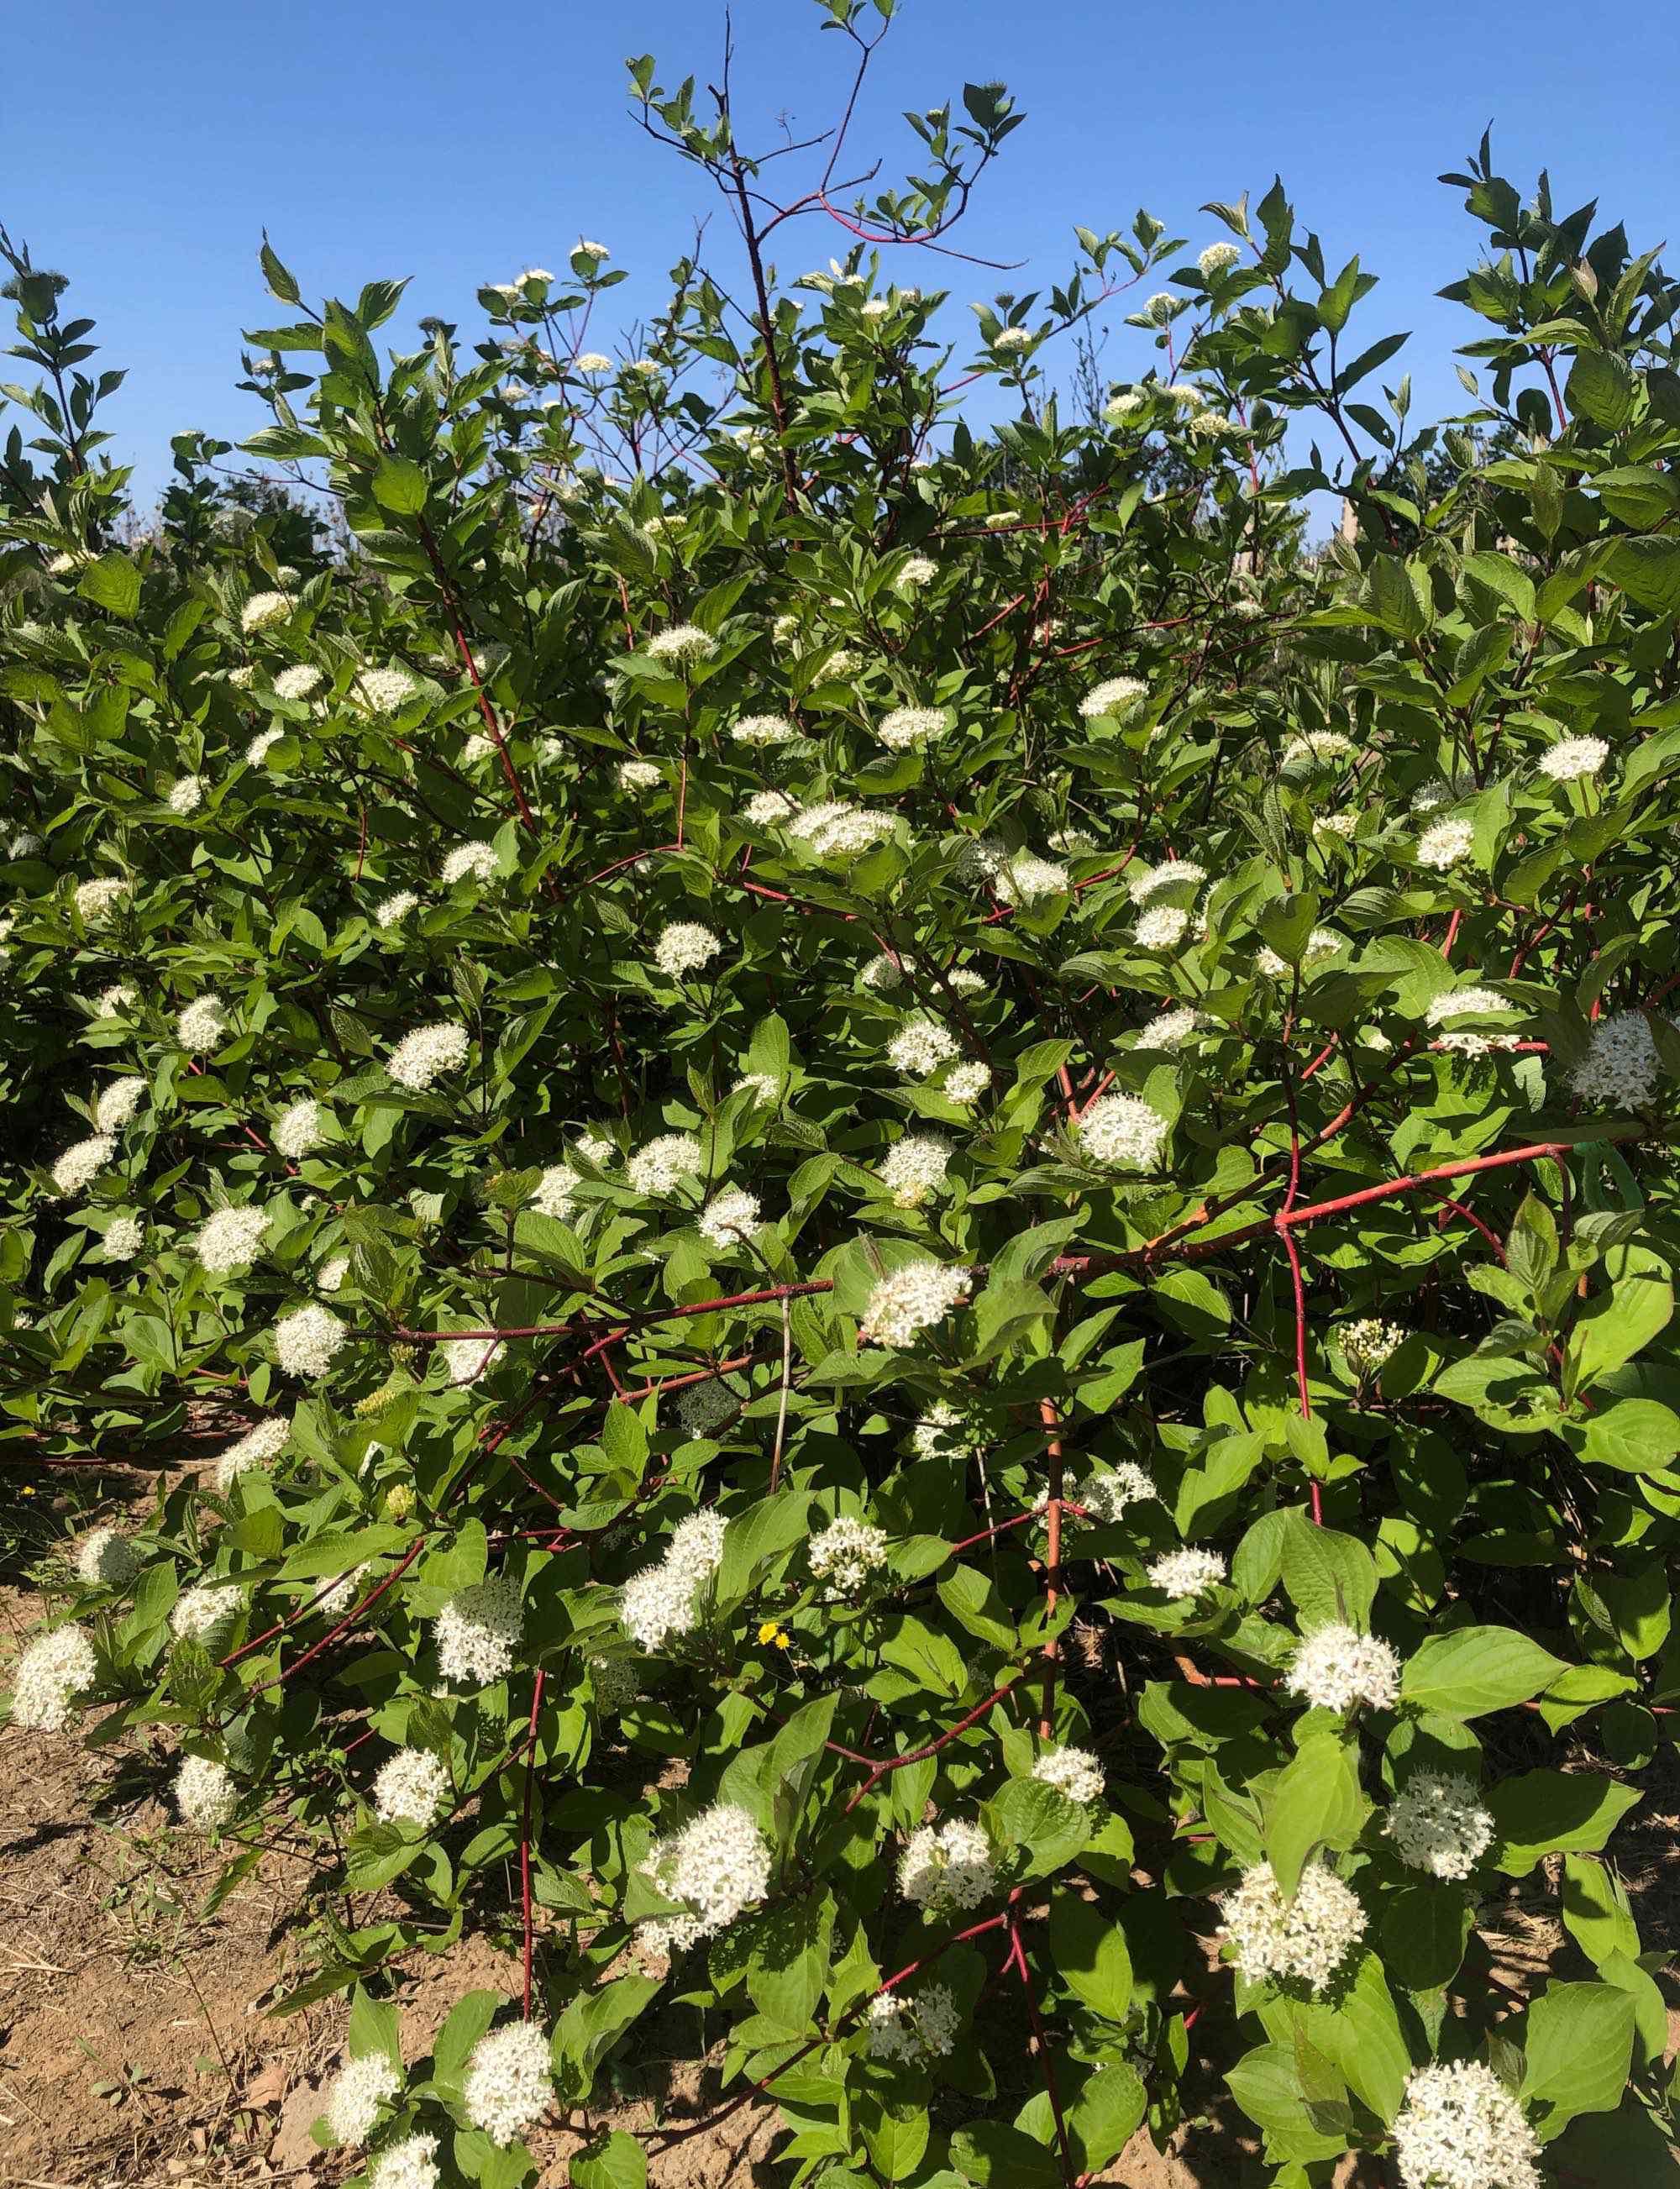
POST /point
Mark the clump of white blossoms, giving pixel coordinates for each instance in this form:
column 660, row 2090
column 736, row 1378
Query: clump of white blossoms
column 98, row 899
column 1173, row 1028
column 478, row 1630
column 1322, row 943
column 81, row 1163
column 836, row 830
column 365, row 2083
column 1162, row 927
column 263, row 610
column 1125, row 403
column 845, row 1555
column 205, row 1792
column 1445, row 843
column 509, row 2081
column 297, row 1128
column 1074, row 1772
column 329, row 1277
column 231, row 1238
column 1171, row 873
column 117, row 1103
column 1460, row 2128
column 947, row 1866
column 1187, row 1573
column 307, row 1341
column 105, row 1558
column 1470, row 1003
column 718, row 1866
column 666, row 1598
column 410, row 1787
column 1320, row 745
column 200, row 1025
column 912, row 1299
column 663, row 1163
column 915, row 1166
column 261, row 746
column 466, row 1359
column 683, row 947
column 765, row 730
column 1027, row 875
column 410, row 2164
column 186, row 795
column 1339, row 1667
column 1437, row 1824
column 255, row 1448
column 1115, row 695
column 1308, row 1939
column 299, row 681
column 56, row 1667
column 683, row 642
column 474, row 861
column 967, row 1083
column 424, row 1056
column 907, row 728
column 768, row 809
column 112, row 1000
column 917, row 570
column 1572, row 758
column 555, row 1194
column 1368, row 1342
column 1013, row 340
column 904, row 2029
column 919, row 1047
column 639, row 775
column 1619, row 1070
column 731, row 1218
column 383, row 691
column 1123, row 1132
column 123, row 1238
column 591, row 360
column 202, row 1609
column 767, row 1088
column 942, row 1431
column 1217, row 258
column 1107, row 1493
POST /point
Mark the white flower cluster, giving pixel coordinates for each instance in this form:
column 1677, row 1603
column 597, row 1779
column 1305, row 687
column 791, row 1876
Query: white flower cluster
column 764, row 730
column 1619, row 1070
column 917, row 570
column 915, row 1166
column 919, row 1047
column 427, row 1053
column 1437, row 1823
column 1368, row 1342
column 307, row 1341
column 383, row 691
column 767, row 1089
column 81, row 1164
column 1320, row 745
column 967, row 1083
column 906, row 729
column 472, row 862
column 639, row 775
column 255, row 1448
column 1123, row 1132
column 557, row 1192
column 98, row 899
column 1107, row 1493
column 115, row 999
column 1217, row 258
column 202, row 1609
column 509, row 2080
column 466, row 1359
column 904, row 2029
column 478, row 1632
column 1459, row 2128
column 1115, row 695
column 683, row 947
column 1187, row 1573
column 231, row 1238
column 263, row 610
column 299, row 681
column 411, row 2163
column 1173, row 1028
column 366, row 2081
column 913, row 1298
column 1013, row 340
column 1470, row 1003
column 200, row 1025
column 1307, row 1938
column 1074, row 1772
column 1172, row 873
column 205, row 1792
column 1322, row 943
column 666, row 1598
column 297, row 1128
column 730, row 1217
column 117, row 1104
column 186, row 795
column 1337, row 1666
column 836, row 830
column 1572, row 758
column 410, row 1787
column 663, row 1163
column 845, row 1554
column 105, row 1558
column 947, row 1866
column 56, row 1667
column 718, row 1866
column 683, row 642
column 1162, row 927
column 1445, row 843
column 124, row 1236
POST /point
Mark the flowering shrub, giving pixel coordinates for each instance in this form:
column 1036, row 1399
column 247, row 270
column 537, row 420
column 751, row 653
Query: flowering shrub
column 909, row 1194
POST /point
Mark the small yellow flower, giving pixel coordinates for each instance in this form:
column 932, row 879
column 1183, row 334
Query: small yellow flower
column 773, row 1631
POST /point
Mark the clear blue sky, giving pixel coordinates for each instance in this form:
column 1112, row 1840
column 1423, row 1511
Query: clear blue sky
column 146, row 146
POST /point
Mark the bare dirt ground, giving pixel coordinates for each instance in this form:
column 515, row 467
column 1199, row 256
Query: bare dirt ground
column 136, row 2052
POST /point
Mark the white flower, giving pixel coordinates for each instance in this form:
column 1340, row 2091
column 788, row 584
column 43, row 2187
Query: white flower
column 1115, row 695
column 680, row 643
column 1125, row 403
column 361, row 2086
column 1027, row 875
column 769, row 809
column 299, row 681
column 263, row 609
column 105, row 1558
column 1445, row 844
column 916, row 571
column 1307, row 1938
column 591, row 360
column 555, row 1194
column 261, row 746
column 1619, row 1070
column 477, row 860
column 765, row 730
column 1217, row 258
column 255, row 1448
column 98, row 899
column 1572, row 758
column 81, row 1164
column 395, row 908
column 202, row 1609
column 1437, row 1824
column 919, row 1047
column 297, row 1128
column 661, row 1165
column 767, row 1089
column 1322, row 943
column 915, row 1166
column 835, row 829
column 1162, row 927
column 337, row 1597
column 410, row 2164
column 1074, row 1772
column 1013, row 340
column 115, row 1000
column 117, row 1103
column 56, row 1667
column 383, row 691
column 1187, row 1573
column 913, row 1298
column 1172, row 873
column 905, row 2028
column 598, row 251
column 1209, row 425
column 1162, row 307
column 845, row 1555
column 1337, row 824
column 427, row 1052
column 1174, row 1027
column 186, row 795
column 200, row 1025
column 244, row 677
column 683, row 947
column 1430, row 797
column 730, row 1217
column 308, row 1340
column 1466, row 1002
column 1368, row 1342
column 639, row 775
column 906, row 728
column 1123, row 1132
column 665, row 1599
column 1339, row 1667
column 1460, row 2128
column 510, row 2082
column 466, row 1359
column 1322, row 745
column 1107, row 1493
column 411, row 1788
column 967, row 1083
column 947, row 1866
column 231, row 1238
column 478, row 1630
column 205, row 1793
column 718, row 1865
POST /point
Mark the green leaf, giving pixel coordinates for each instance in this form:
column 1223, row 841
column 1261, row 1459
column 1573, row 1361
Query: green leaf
column 1040, row 1823
column 1476, row 1669
column 1330, row 1577
column 1315, row 1803
column 617, row 2161
column 399, row 486
column 999, row 2157
column 1088, row 1952
column 1596, row 1912
column 113, row 583
column 1108, row 2108
column 1425, row 1929
column 1602, row 387
column 1579, row 2047
column 1539, row 1812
